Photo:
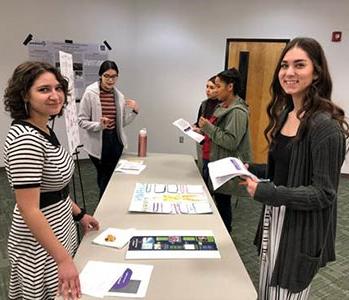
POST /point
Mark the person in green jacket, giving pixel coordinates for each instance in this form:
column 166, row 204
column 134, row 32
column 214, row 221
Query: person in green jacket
column 229, row 133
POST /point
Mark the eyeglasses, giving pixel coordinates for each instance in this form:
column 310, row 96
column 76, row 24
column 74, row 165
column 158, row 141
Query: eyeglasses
column 113, row 77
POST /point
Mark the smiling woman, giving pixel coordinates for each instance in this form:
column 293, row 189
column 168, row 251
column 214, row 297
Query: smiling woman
column 42, row 239
column 307, row 134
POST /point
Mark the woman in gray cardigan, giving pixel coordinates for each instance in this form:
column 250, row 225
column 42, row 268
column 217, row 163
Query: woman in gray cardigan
column 307, row 134
column 103, row 115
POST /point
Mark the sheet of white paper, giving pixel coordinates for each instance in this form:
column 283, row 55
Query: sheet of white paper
column 225, row 169
column 98, row 277
column 130, row 167
column 187, row 129
column 122, row 237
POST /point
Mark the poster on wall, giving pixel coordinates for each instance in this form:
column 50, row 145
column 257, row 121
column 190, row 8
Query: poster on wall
column 70, row 114
column 86, row 59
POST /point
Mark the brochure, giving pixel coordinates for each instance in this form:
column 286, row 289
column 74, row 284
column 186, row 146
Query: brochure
column 187, row 129
column 225, row 169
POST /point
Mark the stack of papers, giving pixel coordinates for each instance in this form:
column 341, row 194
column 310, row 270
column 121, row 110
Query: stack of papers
column 114, row 237
column 99, row 279
column 187, row 129
column 225, row 169
column 130, row 167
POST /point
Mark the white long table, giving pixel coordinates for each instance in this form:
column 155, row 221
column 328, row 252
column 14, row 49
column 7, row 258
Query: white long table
column 178, row 279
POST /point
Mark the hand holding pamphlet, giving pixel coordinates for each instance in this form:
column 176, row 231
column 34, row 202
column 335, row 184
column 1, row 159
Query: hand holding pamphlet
column 225, row 169
column 186, row 128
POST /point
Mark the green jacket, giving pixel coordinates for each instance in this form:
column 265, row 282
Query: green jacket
column 230, row 137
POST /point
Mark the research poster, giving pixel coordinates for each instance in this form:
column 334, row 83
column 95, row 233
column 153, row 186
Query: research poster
column 70, row 113
column 86, row 60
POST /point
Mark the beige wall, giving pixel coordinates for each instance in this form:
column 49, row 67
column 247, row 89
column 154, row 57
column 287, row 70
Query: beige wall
column 167, row 49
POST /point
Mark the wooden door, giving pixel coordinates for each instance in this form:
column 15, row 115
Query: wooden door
column 256, row 60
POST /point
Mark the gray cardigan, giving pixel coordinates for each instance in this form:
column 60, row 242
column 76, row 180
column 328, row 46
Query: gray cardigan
column 309, row 230
column 90, row 113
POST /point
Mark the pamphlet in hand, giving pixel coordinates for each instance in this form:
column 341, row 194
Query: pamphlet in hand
column 225, row 169
column 186, row 128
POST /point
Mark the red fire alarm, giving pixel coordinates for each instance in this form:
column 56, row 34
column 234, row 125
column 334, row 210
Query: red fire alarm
column 336, row 36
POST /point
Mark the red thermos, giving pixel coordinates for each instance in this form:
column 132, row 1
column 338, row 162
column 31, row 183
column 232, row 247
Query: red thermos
column 142, row 143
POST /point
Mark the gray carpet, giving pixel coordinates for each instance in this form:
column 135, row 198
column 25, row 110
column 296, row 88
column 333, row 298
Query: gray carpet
column 331, row 283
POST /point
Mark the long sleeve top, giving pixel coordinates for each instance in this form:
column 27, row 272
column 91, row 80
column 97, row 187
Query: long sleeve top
column 310, row 196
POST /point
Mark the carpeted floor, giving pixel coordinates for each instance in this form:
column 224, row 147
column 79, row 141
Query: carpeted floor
column 331, row 283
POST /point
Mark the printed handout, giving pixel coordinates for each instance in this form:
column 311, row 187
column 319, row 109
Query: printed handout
column 170, row 199
column 130, row 167
column 172, row 244
column 225, row 169
column 187, row 129
column 99, row 279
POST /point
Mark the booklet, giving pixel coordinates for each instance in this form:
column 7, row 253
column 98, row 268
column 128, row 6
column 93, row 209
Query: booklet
column 187, row 129
column 225, row 169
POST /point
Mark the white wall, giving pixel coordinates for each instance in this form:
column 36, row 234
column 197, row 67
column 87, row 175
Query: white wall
column 167, row 49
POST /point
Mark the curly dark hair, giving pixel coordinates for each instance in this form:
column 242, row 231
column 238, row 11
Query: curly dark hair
column 20, row 83
column 317, row 97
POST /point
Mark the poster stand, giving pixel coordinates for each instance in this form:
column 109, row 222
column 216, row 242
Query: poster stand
column 77, row 164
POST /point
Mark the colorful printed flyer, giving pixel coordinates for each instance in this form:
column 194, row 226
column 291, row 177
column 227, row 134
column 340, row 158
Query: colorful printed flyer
column 170, row 199
column 172, row 244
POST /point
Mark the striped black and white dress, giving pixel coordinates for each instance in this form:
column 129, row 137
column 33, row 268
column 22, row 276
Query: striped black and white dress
column 272, row 229
column 35, row 159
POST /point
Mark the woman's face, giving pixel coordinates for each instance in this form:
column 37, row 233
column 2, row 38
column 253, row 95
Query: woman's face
column 296, row 73
column 108, row 79
column 211, row 91
column 45, row 97
column 223, row 90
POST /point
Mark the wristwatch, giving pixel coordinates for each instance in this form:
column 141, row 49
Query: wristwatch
column 80, row 215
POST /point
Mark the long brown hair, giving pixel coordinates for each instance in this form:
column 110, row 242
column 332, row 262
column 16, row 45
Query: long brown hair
column 317, row 97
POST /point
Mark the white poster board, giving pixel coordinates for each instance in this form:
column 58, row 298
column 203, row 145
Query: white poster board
column 87, row 59
column 70, row 113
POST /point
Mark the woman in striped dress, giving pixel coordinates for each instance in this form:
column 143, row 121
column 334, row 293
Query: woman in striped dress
column 307, row 133
column 42, row 239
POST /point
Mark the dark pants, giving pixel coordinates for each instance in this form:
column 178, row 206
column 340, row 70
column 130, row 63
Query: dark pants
column 111, row 152
column 205, row 172
column 223, row 203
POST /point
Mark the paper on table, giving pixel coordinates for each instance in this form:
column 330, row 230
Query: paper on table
column 130, row 167
column 225, row 169
column 122, row 237
column 186, row 128
column 98, row 277
column 173, row 244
